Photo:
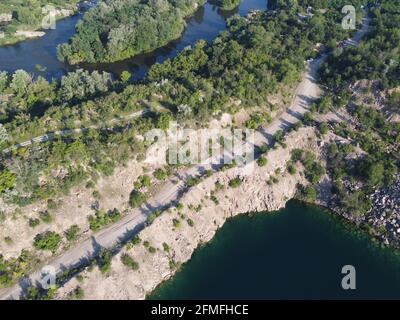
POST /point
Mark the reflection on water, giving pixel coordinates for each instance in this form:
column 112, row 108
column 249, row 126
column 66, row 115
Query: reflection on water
column 39, row 56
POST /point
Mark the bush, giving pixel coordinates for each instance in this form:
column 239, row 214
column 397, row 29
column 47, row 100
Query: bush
column 176, row 223
column 278, row 136
column 291, row 169
column 309, row 193
column 136, row 199
column 142, row 181
column 72, row 232
column 323, row 128
column 192, row 181
column 190, row 222
column 262, row 161
column 235, row 183
column 152, row 216
column 128, row 261
column 8, row 240
column 76, row 294
column 166, row 247
column 48, row 240
column 136, row 240
column 160, row 174
column 96, row 194
column 51, row 204
column 101, row 218
column 33, row 222
column 45, row 216
column 104, row 260
column 297, row 154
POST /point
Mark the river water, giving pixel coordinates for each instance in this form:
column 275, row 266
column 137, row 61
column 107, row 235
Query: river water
column 32, row 55
column 296, row 253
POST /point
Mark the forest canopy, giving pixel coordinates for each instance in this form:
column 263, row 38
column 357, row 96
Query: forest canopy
column 119, row 29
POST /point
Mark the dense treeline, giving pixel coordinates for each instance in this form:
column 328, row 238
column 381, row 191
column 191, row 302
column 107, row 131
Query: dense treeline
column 254, row 58
column 26, row 15
column 23, row 96
column 118, row 29
column 374, row 59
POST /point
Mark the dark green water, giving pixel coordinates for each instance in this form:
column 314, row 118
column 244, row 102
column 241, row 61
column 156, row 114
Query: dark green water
column 295, row 253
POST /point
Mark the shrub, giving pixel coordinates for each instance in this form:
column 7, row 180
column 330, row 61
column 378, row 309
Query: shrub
column 142, row 181
column 297, row 154
column 160, row 174
column 235, row 183
column 51, row 204
column 192, row 181
column 104, row 260
column 136, row 199
column 48, row 240
column 8, row 240
column 151, row 217
column 76, row 294
column 264, row 148
column 262, row 161
column 309, row 193
column 33, row 222
column 214, row 199
column 101, row 218
column 291, row 169
column 128, row 261
column 136, row 240
column 166, row 247
column 176, row 223
column 323, row 128
column 190, row 222
column 278, row 136
column 72, row 232
column 45, row 216
column 208, row 173
column 96, row 194
column 151, row 249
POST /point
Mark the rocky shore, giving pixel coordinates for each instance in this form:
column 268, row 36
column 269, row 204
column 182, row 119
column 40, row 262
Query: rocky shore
column 385, row 213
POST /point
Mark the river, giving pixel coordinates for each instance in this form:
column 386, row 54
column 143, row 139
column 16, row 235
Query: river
column 296, row 253
column 39, row 56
